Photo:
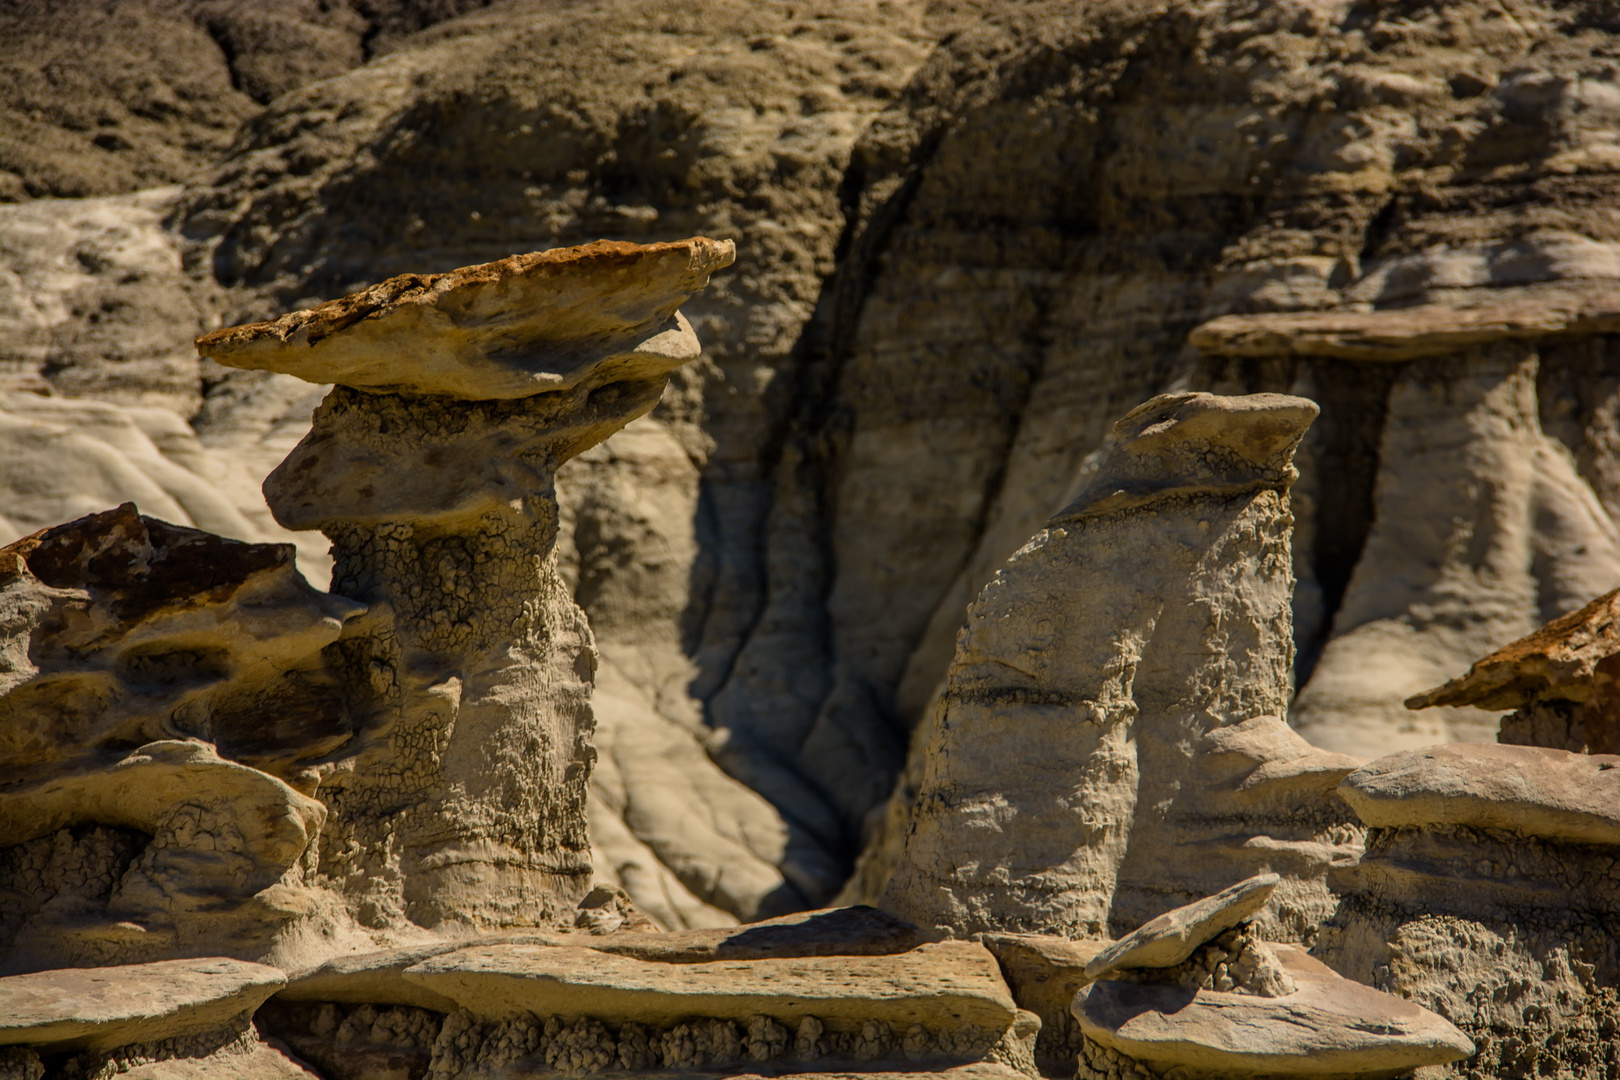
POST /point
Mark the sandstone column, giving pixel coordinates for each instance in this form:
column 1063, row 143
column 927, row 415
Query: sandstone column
column 430, row 466
column 1077, row 720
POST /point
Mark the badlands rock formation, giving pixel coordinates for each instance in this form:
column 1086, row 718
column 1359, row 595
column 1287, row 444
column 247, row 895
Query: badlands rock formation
column 1488, row 894
column 1087, row 768
column 430, row 467
column 922, row 357
column 1559, row 682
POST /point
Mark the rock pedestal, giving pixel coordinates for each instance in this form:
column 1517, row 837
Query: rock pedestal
column 430, row 466
column 1076, row 777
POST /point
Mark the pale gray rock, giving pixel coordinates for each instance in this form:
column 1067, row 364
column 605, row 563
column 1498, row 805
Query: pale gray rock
column 1329, row 1027
column 1168, row 939
column 1066, row 781
column 1487, row 893
column 101, row 1008
column 946, row 985
column 1482, row 530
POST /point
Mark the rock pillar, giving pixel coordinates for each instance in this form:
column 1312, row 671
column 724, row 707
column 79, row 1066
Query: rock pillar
column 430, row 466
column 1077, row 739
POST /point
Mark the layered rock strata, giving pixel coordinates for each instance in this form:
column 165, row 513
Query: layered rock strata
column 1482, row 526
column 431, row 468
column 1488, row 894
column 1559, row 682
column 1090, row 766
column 163, row 705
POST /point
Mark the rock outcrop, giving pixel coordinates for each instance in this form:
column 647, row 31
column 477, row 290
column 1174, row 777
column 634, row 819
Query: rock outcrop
column 463, row 797
column 1194, row 993
column 1559, row 682
column 1482, row 526
column 1088, row 730
column 1487, row 894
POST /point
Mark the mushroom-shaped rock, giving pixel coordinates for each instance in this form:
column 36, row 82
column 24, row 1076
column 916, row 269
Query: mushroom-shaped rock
column 1069, row 785
column 524, row 325
column 1562, row 683
column 431, row 468
column 1170, row 938
column 1487, row 893
column 1328, row 1027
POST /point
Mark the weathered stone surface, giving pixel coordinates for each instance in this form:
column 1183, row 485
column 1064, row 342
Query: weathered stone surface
column 1482, row 530
column 1044, row 973
column 529, row 324
column 107, row 1007
column 376, row 977
column 221, row 870
column 464, row 801
column 1067, row 789
column 1560, row 682
column 1168, row 939
column 121, row 629
column 1413, row 332
column 1487, row 893
column 1531, row 790
column 1329, row 1026
column 72, row 456
column 952, row 984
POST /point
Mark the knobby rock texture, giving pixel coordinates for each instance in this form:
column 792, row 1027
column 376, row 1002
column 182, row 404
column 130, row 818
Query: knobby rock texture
column 971, row 238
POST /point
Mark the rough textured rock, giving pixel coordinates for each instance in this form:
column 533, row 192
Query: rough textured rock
column 1065, row 784
column 1044, row 973
column 640, row 124
column 855, row 483
column 1170, row 938
column 121, row 629
column 1482, row 526
column 1559, row 682
column 1531, row 790
column 947, row 985
column 378, row 978
column 463, row 801
column 103, row 1008
column 108, row 97
column 525, row 325
column 1487, row 894
column 168, row 851
column 1329, row 1026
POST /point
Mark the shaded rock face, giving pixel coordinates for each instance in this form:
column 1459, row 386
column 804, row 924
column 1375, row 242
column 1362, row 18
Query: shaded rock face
column 102, row 98
column 129, row 650
column 1487, row 894
column 889, row 433
column 122, row 629
column 1070, row 782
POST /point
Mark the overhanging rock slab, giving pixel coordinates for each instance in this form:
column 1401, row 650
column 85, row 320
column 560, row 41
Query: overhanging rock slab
column 945, row 985
column 107, row 1007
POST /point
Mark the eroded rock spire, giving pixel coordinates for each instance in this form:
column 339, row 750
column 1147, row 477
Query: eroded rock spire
column 431, row 466
column 1110, row 743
